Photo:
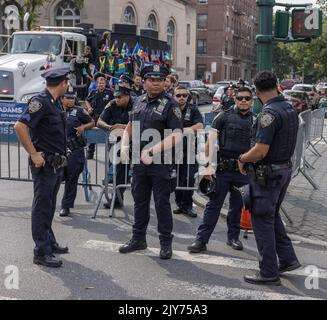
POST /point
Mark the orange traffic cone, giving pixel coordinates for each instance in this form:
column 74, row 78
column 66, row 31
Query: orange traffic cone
column 246, row 223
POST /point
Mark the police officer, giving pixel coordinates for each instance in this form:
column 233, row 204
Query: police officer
column 227, row 100
column 232, row 128
column 78, row 120
column 170, row 85
column 276, row 134
column 152, row 114
column 192, row 121
column 41, row 130
column 96, row 102
column 114, row 119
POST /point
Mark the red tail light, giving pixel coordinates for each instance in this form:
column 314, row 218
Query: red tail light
column 311, row 94
column 4, row 91
column 215, row 100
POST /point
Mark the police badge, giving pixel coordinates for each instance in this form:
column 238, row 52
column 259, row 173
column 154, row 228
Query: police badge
column 177, row 112
column 266, row 119
column 34, row 106
column 156, row 68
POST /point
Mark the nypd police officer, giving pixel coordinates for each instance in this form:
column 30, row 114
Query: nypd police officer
column 96, row 102
column 192, row 121
column 78, row 120
column 232, row 128
column 114, row 119
column 275, row 140
column 154, row 111
column 45, row 120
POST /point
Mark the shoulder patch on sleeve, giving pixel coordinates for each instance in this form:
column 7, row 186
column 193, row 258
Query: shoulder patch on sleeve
column 109, row 104
column 266, row 119
column 34, row 106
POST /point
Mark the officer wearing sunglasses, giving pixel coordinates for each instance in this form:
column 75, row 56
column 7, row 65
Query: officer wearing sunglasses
column 192, row 121
column 232, row 128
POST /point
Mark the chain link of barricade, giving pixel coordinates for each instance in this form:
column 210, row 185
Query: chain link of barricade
column 97, row 173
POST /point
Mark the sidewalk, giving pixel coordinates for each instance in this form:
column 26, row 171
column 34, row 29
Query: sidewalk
column 306, row 207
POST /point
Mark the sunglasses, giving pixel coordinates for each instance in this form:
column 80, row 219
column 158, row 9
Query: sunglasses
column 184, row 95
column 247, row 98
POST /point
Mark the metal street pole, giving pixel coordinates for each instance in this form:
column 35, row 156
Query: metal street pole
column 265, row 37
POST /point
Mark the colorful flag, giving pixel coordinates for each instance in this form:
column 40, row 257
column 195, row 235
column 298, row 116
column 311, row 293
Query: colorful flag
column 121, row 66
column 136, row 49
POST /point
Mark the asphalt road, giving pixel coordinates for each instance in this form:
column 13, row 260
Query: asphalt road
column 95, row 269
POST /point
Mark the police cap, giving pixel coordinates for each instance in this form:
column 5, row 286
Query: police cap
column 126, row 79
column 99, row 75
column 154, row 71
column 207, row 187
column 71, row 92
column 56, row 75
column 121, row 91
column 241, row 81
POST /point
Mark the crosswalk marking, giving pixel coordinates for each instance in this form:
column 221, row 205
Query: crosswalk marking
column 197, row 258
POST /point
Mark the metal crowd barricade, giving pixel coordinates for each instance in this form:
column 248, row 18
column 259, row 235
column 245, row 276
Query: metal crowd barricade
column 317, row 127
column 14, row 164
column 13, row 158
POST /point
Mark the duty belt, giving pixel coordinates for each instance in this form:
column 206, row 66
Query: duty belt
column 227, row 164
column 56, row 160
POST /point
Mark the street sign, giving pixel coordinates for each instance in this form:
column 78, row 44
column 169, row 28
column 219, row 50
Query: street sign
column 306, row 23
column 214, row 67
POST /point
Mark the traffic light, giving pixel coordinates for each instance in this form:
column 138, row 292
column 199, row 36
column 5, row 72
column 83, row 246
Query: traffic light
column 306, row 23
column 282, row 24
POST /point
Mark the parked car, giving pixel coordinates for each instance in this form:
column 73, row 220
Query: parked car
column 212, row 88
column 322, row 91
column 200, row 93
column 321, row 84
column 311, row 91
column 287, row 84
column 218, row 95
column 299, row 99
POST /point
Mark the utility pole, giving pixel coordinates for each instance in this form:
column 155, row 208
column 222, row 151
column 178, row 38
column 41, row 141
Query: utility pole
column 265, row 37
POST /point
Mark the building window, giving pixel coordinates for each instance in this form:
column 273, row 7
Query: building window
column 188, row 34
column 171, row 32
column 201, row 46
column 200, row 71
column 203, row 1
column 226, row 47
column 202, row 21
column 129, row 15
column 225, row 72
column 187, row 66
column 68, row 15
column 152, row 22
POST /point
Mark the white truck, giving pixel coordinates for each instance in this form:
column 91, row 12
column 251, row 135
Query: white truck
column 32, row 52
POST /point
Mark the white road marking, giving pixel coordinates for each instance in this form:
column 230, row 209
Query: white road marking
column 197, row 258
column 307, row 240
column 227, row 293
column 7, row 298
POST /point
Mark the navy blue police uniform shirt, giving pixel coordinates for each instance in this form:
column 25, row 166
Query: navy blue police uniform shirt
column 76, row 116
column 191, row 116
column 113, row 114
column 99, row 100
column 219, row 124
column 159, row 113
column 268, row 123
column 45, row 118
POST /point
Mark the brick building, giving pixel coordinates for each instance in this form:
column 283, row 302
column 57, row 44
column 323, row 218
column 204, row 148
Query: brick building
column 226, row 31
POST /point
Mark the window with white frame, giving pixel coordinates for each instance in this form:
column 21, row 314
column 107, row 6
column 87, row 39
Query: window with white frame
column 129, row 16
column 68, row 14
column 152, row 22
